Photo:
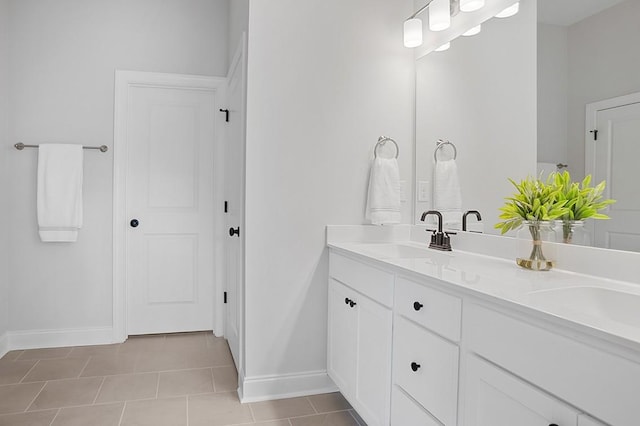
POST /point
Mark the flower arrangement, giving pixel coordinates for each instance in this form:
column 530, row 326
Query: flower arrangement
column 533, row 201
column 582, row 200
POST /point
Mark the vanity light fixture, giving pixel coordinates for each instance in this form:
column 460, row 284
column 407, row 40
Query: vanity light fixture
column 471, row 5
column 444, row 47
column 413, row 28
column 439, row 15
column 473, row 31
column 509, row 11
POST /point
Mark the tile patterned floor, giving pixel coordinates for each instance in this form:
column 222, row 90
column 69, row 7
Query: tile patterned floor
column 162, row 380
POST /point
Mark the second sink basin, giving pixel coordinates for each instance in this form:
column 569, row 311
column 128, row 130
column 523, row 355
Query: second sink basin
column 596, row 302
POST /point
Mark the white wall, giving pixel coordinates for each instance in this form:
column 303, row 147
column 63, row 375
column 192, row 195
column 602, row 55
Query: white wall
column 4, row 184
column 481, row 95
column 553, row 86
column 62, row 59
column 325, row 79
column 604, row 63
column 238, row 23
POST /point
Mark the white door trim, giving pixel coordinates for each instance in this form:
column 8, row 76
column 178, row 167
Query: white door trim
column 591, row 122
column 123, row 81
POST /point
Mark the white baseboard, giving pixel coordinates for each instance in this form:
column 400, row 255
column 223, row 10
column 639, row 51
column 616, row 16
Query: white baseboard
column 4, row 344
column 264, row 388
column 33, row 339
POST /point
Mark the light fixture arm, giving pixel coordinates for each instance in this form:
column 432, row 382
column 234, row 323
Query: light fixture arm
column 420, row 10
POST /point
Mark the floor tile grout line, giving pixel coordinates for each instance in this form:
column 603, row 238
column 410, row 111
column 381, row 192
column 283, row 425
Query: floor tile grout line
column 124, row 407
column 55, row 417
column 84, row 367
column 36, row 397
column 213, row 380
column 253, row 417
column 158, row 385
column 186, row 397
column 99, row 389
column 312, row 405
column 31, row 369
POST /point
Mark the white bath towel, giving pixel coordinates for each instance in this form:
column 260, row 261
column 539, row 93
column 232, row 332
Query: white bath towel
column 447, row 198
column 383, row 200
column 59, row 198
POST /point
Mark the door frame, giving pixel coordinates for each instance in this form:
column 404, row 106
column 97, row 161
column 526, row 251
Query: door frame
column 124, row 80
column 591, row 122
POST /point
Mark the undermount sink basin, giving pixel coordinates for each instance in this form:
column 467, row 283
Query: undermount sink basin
column 394, row 251
column 595, row 302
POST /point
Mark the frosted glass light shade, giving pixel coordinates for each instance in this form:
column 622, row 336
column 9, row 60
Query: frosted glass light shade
column 510, row 11
column 439, row 15
column 412, row 32
column 444, row 47
column 471, row 5
column 473, row 31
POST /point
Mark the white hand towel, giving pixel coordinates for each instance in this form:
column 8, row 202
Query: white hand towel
column 59, row 196
column 447, row 198
column 383, row 200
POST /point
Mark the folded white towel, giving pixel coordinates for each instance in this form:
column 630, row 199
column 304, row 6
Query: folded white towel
column 59, row 197
column 383, row 200
column 447, row 197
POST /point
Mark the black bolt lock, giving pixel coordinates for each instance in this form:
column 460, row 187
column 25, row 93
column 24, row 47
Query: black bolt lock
column 415, row 366
column 417, row 306
column 134, row 223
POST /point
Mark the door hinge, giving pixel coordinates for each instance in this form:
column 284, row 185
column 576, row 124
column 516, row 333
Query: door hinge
column 595, row 134
column 225, row 297
column 226, row 207
column 226, row 114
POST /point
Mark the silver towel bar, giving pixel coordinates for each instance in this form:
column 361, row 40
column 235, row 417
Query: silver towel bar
column 20, row 146
column 441, row 143
column 383, row 140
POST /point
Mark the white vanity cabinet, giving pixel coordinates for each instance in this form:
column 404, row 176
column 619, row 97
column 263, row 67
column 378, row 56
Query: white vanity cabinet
column 359, row 337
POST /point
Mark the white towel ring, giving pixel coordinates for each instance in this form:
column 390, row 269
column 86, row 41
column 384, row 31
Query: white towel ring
column 383, row 140
column 439, row 144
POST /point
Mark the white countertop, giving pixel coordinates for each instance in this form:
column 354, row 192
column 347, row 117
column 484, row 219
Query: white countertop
column 600, row 306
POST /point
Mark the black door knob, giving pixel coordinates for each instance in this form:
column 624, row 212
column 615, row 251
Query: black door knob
column 233, row 232
column 134, row 223
column 417, row 306
column 346, row 300
column 352, row 303
column 415, row 366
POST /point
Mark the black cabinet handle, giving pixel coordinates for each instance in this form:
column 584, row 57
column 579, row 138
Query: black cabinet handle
column 417, row 306
column 553, row 424
column 134, row 223
column 233, row 232
column 415, row 366
column 346, row 300
column 352, row 303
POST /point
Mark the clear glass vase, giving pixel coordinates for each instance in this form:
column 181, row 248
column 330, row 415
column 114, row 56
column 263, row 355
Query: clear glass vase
column 534, row 249
column 573, row 232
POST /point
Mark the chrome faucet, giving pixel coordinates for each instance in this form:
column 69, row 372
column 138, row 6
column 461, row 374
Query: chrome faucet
column 464, row 218
column 439, row 240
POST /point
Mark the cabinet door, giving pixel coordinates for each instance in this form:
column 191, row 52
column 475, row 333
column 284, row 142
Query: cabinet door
column 495, row 397
column 373, row 380
column 342, row 332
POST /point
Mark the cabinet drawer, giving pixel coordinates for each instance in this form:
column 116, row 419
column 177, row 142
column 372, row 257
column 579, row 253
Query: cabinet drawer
column 373, row 282
column 437, row 311
column 434, row 383
column 405, row 412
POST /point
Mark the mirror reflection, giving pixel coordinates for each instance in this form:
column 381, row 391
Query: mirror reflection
column 524, row 95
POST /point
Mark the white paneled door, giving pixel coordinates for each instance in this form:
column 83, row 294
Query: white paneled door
column 234, row 196
column 171, row 132
column 612, row 155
